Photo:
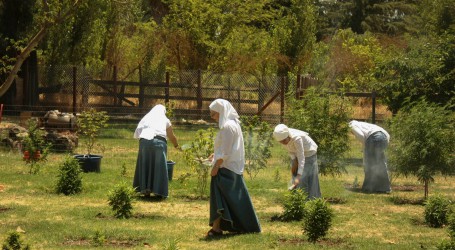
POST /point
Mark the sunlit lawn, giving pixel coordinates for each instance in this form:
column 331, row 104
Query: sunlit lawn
column 52, row 221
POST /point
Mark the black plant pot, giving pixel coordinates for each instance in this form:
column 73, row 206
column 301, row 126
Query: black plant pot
column 89, row 163
column 170, row 169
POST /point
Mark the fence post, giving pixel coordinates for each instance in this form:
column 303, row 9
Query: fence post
column 199, row 94
column 115, row 86
column 283, row 87
column 166, row 89
column 141, row 88
column 74, row 89
column 297, row 87
column 373, row 111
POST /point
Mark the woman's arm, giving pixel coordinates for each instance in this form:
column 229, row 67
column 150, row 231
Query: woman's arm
column 170, row 134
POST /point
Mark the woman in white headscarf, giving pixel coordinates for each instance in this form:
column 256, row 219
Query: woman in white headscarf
column 374, row 140
column 304, row 163
column 231, row 208
column 151, row 174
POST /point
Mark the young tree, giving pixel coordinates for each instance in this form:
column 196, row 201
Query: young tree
column 326, row 119
column 423, row 139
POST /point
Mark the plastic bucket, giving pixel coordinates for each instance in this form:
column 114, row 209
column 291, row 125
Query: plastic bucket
column 89, row 163
column 170, row 169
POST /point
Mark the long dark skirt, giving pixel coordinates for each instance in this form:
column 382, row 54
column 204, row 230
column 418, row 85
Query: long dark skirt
column 376, row 175
column 229, row 199
column 310, row 179
column 151, row 168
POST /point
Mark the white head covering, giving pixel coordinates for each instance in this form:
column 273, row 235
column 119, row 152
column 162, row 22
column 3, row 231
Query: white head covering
column 155, row 118
column 226, row 111
column 280, row 132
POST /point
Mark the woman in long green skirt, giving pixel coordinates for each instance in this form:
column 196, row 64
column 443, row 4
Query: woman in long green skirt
column 231, row 208
column 151, row 174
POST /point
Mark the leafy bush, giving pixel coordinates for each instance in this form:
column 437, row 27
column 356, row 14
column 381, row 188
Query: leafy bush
column 317, row 220
column 69, row 177
column 14, row 242
column 436, row 211
column 90, row 124
column 294, row 205
column 121, row 200
column 449, row 245
column 427, row 148
column 34, row 146
column 194, row 155
column 257, row 136
column 326, row 119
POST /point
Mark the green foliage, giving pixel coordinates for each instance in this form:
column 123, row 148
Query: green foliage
column 200, row 148
column 294, row 205
column 14, row 242
column 451, row 226
column 121, row 200
column 437, row 209
column 69, row 177
column 98, row 239
column 34, row 146
column 427, row 148
column 90, row 124
column 326, row 119
column 258, row 141
column 317, row 220
column 423, row 70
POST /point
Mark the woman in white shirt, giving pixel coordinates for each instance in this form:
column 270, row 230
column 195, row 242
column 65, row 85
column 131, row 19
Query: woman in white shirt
column 151, row 174
column 375, row 140
column 231, row 208
column 303, row 152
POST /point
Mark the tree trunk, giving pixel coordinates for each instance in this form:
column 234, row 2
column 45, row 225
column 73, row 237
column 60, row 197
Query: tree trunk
column 426, row 189
column 31, row 46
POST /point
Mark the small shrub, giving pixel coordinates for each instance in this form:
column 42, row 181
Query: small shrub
column 436, row 211
column 276, row 175
column 98, row 239
column 14, row 242
column 123, row 172
column 194, row 155
column 451, row 226
column 69, row 177
column 317, row 220
column 34, row 147
column 294, row 205
column 121, row 200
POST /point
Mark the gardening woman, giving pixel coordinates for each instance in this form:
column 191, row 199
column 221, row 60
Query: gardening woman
column 375, row 140
column 151, row 174
column 231, row 208
column 304, row 163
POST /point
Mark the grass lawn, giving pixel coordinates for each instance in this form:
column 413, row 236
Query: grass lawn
column 51, row 221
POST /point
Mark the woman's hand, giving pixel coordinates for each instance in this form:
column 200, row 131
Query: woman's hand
column 214, row 171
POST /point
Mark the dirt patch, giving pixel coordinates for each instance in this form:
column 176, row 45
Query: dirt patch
column 4, row 209
column 325, row 242
column 335, row 200
column 406, row 188
column 2, row 187
column 109, row 242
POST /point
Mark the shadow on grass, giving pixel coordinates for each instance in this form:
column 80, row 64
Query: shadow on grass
column 134, row 216
column 221, row 237
column 339, row 242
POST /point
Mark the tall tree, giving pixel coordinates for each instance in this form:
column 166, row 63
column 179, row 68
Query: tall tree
column 51, row 12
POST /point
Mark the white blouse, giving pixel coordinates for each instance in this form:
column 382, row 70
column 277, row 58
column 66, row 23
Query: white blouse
column 300, row 146
column 229, row 147
column 363, row 130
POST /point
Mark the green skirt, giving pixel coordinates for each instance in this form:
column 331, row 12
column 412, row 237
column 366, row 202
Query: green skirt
column 229, row 199
column 151, row 168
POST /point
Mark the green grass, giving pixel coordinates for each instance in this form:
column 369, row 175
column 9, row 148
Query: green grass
column 52, row 221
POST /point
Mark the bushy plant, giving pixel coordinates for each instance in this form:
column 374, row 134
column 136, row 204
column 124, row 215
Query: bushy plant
column 34, row 146
column 98, row 239
column 194, row 155
column 294, row 205
column 325, row 118
column 449, row 245
column 14, row 242
column 121, row 200
column 317, row 220
column 90, row 124
column 69, row 177
column 436, row 211
column 427, row 148
column 257, row 137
